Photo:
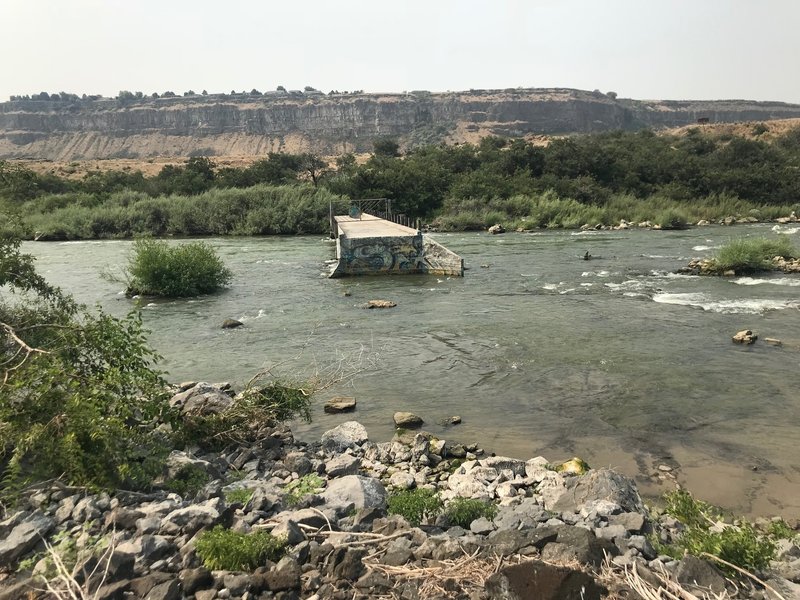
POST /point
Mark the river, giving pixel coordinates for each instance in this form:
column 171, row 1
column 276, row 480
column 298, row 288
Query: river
column 615, row 359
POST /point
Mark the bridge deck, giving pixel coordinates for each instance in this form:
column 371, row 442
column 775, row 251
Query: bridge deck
column 369, row 226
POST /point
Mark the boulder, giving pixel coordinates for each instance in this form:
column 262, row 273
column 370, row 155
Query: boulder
column 346, row 435
column 407, row 420
column 497, row 229
column 24, row 537
column 402, row 480
column 535, row 579
column 601, row 484
column 231, row 324
column 344, row 464
column 202, row 399
column 696, row 572
column 745, row 336
column 340, row 404
column 361, row 492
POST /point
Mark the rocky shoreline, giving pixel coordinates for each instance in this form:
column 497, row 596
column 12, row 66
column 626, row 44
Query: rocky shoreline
column 566, row 533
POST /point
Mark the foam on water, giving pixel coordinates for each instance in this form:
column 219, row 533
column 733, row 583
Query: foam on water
column 703, row 248
column 752, row 306
column 787, row 281
column 786, row 230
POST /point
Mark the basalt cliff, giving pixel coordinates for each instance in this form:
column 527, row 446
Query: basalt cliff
column 241, row 124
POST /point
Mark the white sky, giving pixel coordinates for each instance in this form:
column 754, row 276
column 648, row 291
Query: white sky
column 668, row 49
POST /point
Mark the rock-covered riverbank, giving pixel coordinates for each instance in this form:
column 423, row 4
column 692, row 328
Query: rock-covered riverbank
column 565, row 534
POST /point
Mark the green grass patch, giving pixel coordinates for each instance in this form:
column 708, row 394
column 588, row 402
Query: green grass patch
column 416, row 505
column 158, row 269
column 463, row 511
column 222, row 549
column 241, row 496
column 305, row 486
column 751, row 255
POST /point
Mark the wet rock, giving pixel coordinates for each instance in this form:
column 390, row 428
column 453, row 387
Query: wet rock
column 340, row 404
column 231, row 324
column 497, row 229
column 407, row 420
column 535, row 579
column 380, row 304
column 745, row 336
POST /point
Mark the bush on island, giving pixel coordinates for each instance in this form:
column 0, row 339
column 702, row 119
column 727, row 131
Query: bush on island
column 158, row 269
column 750, row 255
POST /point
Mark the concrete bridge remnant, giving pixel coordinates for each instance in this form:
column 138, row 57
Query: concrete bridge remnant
column 369, row 245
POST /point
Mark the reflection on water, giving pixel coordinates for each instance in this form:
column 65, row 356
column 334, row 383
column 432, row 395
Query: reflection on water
column 540, row 352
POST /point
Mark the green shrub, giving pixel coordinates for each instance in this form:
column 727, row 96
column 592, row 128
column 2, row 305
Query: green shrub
column 300, row 488
column 221, row 549
column 671, row 219
column 750, row 255
column 240, row 495
column 158, row 269
column 189, row 480
column 79, row 397
column 739, row 544
column 463, row 511
column 258, row 408
column 416, row 505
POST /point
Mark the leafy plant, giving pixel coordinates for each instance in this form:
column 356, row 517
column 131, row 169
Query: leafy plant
column 158, row 269
column 222, row 549
column 300, row 488
column 415, row 505
column 187, row 481
column 671, row 219
column 79, row 397
column 240, row 495
column 739, row 544
column 463, row 511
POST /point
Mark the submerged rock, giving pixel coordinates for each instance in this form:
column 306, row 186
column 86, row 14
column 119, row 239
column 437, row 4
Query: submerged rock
column 340, row 404
column 745, row 336
column 380, row 304
column 407, row 420
column 231, row 324
column 497, row 229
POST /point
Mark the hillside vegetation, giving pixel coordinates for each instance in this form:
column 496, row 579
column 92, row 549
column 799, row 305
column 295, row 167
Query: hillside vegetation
column 599, row 178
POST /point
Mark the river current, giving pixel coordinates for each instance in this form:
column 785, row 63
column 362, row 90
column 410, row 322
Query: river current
column 615, row 359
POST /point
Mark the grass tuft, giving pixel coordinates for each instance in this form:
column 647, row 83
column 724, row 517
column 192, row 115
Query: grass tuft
column 222, row 549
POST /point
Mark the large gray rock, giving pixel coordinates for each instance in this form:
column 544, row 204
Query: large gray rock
column 407, row 420
column 202, row 399
column 347, row 435
column 189, row 519
column 24, row 537
column 575, row 544
column 362, row 492
column 596, row 485
column 344, row 464
column 340, row 404
column 535, row 579
column 699, row 573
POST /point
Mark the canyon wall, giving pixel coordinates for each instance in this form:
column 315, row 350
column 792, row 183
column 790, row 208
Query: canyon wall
column 226, row 125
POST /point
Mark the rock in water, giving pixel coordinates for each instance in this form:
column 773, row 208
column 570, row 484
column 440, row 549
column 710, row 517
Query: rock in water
column 231, row 324
column 744, row 337
column 407, row 420
column 496, row 229
column 340, row 404
column 380, row 304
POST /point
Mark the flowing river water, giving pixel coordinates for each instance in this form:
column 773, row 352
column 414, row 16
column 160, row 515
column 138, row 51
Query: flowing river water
column 615, row 360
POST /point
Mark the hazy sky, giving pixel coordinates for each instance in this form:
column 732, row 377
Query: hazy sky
column 676, row 49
